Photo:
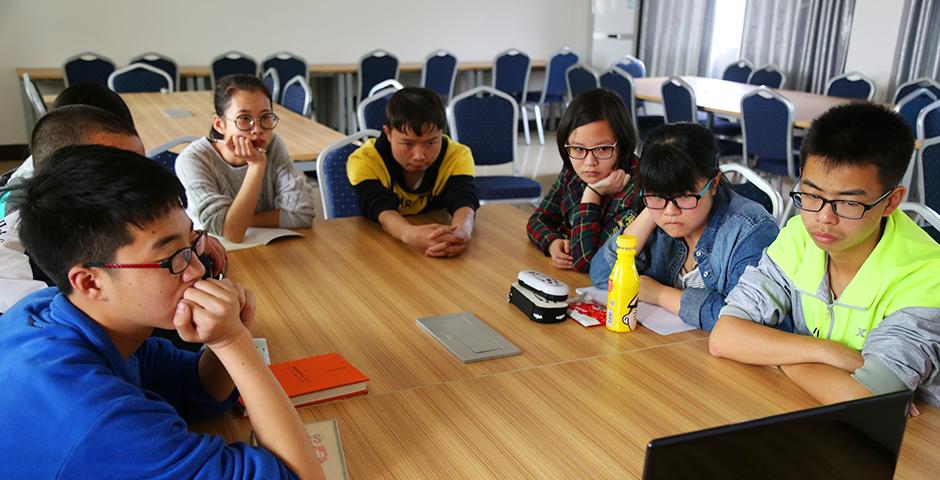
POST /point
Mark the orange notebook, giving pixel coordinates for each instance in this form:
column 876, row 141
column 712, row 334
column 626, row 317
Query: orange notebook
column 319, row 379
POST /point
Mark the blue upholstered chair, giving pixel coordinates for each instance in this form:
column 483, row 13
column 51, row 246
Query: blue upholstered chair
column 371, row 111
column 767, row 131
column 138, row 78
column 755, row 188
column 911, row 105
column 905, row 89
column 851, row 85
column 337, row 194
column 485, row 119
column 162, row 62
column 679, row 104
column 231, row 63
column 511, row 70
column 555, row 89
column 374, row 67
column 768, row 76
column 928, row 173
column 621, row 83
column 297, row 96
column 928, row 121
column 272, row 81
column 440, row 73
column 738, row 71
column 632, row 65
column 87, row 67
column 581, row 78
column 163, row 154
column 926, row 215
column 287, row 65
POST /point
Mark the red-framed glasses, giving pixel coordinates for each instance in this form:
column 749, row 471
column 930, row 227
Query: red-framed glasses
column 176, row 263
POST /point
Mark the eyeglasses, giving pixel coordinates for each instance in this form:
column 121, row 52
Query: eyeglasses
column 601, row 152
column 848, row 209
column 682, row 202
column 245, row 122
column 176, row 263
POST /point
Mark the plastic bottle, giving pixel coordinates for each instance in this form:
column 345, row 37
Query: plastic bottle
column 623, row 287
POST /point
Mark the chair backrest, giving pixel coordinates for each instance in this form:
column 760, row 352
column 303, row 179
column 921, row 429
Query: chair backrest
column 511, row 73
column 768, row 76
column 486, row 120
column 287, row 65
column 140, row 78
column 390, row 83
column 581, row 78
column 371, row 111
column 928, row 121
column 926, row 214
column 374, row 67
column 162, row 62
column 767, row 127
column 164, row 156
column 297, row 96
column 87, row 67
column 34, row 97
column 337, row 194
column 910, row 106
column 440, row 73
column 924, row 82
column 928, row 173
column 851, row 85
column 738, row 71
column 273, row 82
column 679, row 104
column 230, row 63
column 632, row 65
column 755, row 188
column 556, row 85
column 620, row 82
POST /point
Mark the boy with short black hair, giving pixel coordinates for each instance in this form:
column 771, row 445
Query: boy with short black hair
column 86, row 393
column 858, row 277
column 413, row 167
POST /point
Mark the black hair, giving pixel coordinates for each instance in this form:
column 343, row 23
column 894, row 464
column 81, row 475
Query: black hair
column 676, row 156
column 227, row 86
column 591, row 106
column 414, row 108
column 857, row 134
column 96, row 95
column 72, row 125
column 79, row 208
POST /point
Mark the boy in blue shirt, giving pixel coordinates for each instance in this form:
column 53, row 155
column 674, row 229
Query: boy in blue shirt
column 87, row 392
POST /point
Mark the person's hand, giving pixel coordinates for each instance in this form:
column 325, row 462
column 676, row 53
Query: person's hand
column 217, row 253
column 612, row 184
column 424, row 236
column 211, row 313
column 246, row 302
column 449, row 244
column 842, row 356
column 649, row 290
column 560, row 251
column 240, row 150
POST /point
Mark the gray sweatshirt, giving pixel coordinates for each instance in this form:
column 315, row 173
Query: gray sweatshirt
column 212, row 183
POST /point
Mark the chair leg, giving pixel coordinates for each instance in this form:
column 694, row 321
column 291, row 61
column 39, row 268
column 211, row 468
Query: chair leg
column 787, row 211
column 525, row 123
column 538, row 124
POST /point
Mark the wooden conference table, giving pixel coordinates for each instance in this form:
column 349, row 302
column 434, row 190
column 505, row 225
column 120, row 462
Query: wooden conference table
column 155, row 117
column 578, row 403
column 724, row 97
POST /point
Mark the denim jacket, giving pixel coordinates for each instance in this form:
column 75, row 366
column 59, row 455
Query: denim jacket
column 737, row 233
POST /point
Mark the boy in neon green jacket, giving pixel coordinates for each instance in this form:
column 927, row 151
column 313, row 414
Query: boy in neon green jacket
column 856, row 275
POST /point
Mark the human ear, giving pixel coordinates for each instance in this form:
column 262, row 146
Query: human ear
column 85, row 282
column 218, row 124
column 894, row 200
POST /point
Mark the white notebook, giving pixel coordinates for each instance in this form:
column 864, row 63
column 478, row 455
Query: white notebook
column 257, row 236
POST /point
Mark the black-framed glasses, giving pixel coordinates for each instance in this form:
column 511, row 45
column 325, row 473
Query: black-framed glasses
column 682, row 202
column 601, row 152
column 176, row 263
column 245, row 122
column 847, row 209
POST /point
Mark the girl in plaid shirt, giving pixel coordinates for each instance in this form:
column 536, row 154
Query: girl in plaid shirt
column 595, row 195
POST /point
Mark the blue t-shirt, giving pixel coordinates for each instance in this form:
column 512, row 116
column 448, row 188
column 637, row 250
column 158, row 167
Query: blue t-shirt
column 73, row 407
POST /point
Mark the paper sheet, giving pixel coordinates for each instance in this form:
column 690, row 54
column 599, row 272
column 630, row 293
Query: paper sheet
column 655, row 318
column 257, row 236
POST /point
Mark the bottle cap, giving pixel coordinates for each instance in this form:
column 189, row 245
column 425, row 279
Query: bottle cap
column 626, row 241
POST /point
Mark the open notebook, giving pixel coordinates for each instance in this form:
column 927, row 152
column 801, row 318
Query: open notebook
column 257, row 236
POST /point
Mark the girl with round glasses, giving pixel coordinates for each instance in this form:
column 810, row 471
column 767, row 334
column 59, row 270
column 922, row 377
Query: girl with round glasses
column 593, row 196
column 241, row 175
column 696, row 236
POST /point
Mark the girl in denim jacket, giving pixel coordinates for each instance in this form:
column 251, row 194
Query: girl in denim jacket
column 696, row 236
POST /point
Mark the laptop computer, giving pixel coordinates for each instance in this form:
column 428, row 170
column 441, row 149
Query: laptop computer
column 858, row 439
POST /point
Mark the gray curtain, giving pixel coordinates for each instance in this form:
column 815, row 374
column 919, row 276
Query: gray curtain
column 806, row 39
column 676, row 36
column 918, row 53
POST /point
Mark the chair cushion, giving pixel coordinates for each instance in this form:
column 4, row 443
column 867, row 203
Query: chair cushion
column 499, row 187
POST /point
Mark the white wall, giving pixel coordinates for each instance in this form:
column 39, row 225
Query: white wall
column 872, row 46
column 41, row 33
